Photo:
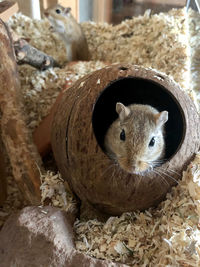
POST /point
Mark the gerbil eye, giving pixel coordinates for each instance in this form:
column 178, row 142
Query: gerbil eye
column 122, row 135
column 58, row 11
column 152, row 142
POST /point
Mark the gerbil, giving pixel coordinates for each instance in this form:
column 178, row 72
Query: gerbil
column 70, row 31
column 135, row 140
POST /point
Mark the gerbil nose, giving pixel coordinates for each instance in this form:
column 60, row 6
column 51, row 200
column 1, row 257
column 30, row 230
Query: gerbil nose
column 143, row 166
column 46, row 13
column 134, row 167
column 139, row 166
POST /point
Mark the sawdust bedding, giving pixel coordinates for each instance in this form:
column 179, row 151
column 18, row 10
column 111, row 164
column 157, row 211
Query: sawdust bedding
column 170, row 234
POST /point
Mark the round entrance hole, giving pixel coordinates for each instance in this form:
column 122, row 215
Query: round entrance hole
column 133, row 90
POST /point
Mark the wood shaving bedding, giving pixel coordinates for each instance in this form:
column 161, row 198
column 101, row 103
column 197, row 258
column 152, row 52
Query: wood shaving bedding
column 165, row 236
column 40, row 88
column 139, row 39
column 56, row 191
column 169, row 234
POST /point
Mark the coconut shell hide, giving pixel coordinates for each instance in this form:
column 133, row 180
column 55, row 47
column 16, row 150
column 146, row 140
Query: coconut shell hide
column 83, row 117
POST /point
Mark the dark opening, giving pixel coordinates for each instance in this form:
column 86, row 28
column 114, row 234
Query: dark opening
column 123, row 68
column 139, row 91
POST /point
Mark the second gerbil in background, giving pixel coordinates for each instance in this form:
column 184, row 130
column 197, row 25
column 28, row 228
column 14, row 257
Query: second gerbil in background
column 70, row 31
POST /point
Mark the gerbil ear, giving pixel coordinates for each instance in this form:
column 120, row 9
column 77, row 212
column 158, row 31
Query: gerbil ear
column 161, row 118
column 122, row 111
column 67, row 10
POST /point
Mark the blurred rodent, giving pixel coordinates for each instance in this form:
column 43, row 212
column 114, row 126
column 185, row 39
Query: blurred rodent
column 135, row 140
column 70, row 31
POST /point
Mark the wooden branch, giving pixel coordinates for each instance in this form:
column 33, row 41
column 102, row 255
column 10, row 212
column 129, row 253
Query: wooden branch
column 27, row 54
column 22, row 153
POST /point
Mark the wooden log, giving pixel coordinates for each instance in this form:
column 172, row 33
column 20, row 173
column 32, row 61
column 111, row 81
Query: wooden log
column 27, row 54
column 22, row 153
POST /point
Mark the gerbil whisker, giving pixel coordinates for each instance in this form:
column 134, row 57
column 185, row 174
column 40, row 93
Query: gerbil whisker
column 93, row 168
column 151, row 168
column 163, row 160
column 154, row 163
column 172, row 171
column 114, row 174
column 163, row 178
column 139, row 182
column 159, row 161
column 168, row 176
column 89, row 156
column 108, row 168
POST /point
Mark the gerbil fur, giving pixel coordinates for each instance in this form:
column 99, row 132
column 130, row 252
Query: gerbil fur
column 129, row 139
column 70, row 31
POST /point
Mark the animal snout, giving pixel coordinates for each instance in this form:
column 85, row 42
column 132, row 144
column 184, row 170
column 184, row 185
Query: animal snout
column 136, row 167
column 133, row 166
column 46, row 13
column 142, row 166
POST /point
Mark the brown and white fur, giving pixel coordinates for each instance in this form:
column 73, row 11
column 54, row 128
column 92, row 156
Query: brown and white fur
column 70, row 32
column 135, row 140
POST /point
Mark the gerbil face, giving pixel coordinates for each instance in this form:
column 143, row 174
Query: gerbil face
column 58, row 11
column 136, row 140
column 58, row 16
